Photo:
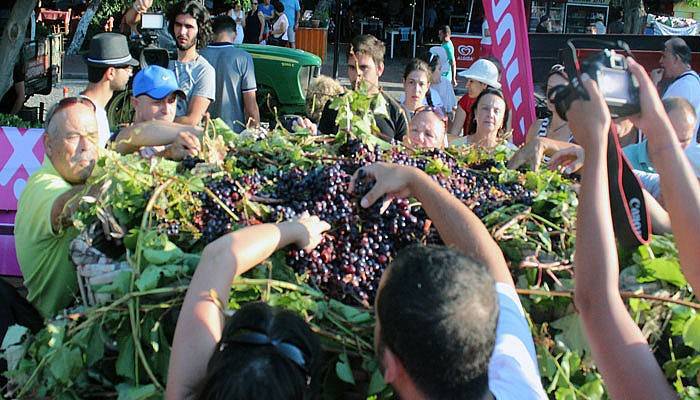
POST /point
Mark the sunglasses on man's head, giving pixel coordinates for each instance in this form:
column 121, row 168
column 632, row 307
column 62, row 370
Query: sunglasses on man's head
column 435, row 110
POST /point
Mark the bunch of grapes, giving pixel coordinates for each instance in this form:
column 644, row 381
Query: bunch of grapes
column 214, row 220
column 349, row 262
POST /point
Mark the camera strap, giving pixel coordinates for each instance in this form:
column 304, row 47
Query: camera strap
column 631, row 221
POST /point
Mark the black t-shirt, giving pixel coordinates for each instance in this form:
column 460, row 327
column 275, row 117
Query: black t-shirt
column 395, row 127
column 251, row 32
column 8, row 100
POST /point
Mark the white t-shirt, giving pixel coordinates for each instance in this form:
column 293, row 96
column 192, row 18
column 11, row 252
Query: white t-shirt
column 434, row 97
column 440, row 52
column 513, row 370
column 102, row 123
column 693, row 154
column 282, row 21
column 239, row 18
column 687, row 86
column 485, row 33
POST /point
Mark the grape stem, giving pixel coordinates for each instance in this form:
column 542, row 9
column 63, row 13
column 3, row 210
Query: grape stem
column 625, row 295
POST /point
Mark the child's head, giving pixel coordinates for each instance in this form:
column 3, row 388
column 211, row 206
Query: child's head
column 435, row 73
column 445, row 33
column 416, row 81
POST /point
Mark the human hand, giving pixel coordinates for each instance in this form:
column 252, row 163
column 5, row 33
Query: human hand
column 568, row 160
column 305, row 123
column 311, row 231
column 185, row 144
column 589, row 120
column 142, row 6
column 657, row 75
column 652, row 116
column 454, row 82
column 296, row 26
column 532, row 154
column 392, row 180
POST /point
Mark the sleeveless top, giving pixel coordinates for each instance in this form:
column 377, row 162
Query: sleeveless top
column 544, row 129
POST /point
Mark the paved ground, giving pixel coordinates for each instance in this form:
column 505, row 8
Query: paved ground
column 74, row 86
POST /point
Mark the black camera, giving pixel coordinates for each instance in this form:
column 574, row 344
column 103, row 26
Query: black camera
column 609, row 69
column 144, row 47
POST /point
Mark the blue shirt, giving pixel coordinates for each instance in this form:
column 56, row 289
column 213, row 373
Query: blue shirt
column 267, row 10
column 291, row 7
column 638, row 156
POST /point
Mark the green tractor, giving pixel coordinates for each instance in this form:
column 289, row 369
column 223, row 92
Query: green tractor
column 283, row 76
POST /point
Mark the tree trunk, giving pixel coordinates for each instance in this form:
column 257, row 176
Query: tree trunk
column 81, row 30
column 12, row 40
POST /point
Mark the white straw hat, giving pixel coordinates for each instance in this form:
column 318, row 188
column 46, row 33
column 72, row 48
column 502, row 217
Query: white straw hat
column 483, row 71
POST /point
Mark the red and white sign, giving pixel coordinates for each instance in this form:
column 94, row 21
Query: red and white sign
column 21, row 153
column 467, row 50
column 510, row 45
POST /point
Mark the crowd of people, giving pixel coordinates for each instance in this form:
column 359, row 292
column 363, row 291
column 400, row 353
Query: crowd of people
column 474, row 340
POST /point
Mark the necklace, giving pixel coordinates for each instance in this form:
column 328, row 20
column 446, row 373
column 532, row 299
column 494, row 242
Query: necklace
column 560, row 126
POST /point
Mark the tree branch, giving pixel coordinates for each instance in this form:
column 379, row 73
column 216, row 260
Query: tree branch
column 12, row 40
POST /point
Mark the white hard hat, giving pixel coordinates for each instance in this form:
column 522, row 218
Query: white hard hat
column 483, row 71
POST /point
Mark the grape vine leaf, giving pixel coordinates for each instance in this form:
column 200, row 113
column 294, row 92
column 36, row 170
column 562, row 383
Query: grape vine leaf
column 125, row 361
column 14, row 335
column 343, row 369
column 65, row 363
column 376, row 383
column 571, row 334
column 691, row 333
column 128, row 392
column 663, row 269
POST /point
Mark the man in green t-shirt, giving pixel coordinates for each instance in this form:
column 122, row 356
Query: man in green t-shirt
column 43, row 226
column 446, row 43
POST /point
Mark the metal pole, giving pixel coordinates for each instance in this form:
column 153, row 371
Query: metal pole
column 422, row 23
column 336, row 47
column 469, row 18
column 413, row 13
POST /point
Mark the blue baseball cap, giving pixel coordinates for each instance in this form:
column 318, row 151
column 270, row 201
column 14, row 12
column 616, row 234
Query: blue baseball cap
column 156, row 82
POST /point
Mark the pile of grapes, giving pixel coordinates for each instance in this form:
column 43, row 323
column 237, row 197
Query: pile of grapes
column 349, row 262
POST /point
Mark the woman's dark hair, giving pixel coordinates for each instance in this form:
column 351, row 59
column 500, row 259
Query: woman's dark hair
column 487, row 91
column 417, row 64
column 555, row 70
column 265, row 353
column 198, row 12
column 279, row 7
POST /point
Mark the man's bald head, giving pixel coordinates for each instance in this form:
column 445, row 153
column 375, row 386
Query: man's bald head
column 71, row 137
column 683, row 118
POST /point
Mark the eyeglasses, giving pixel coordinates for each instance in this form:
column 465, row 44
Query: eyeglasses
column 436, row 110
column 69, row 101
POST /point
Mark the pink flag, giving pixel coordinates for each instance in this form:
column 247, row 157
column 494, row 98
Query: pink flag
column 511, row 46
column 21, row 153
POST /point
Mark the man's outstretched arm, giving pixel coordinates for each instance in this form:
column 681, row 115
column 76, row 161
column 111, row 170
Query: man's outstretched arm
column 457, row 224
